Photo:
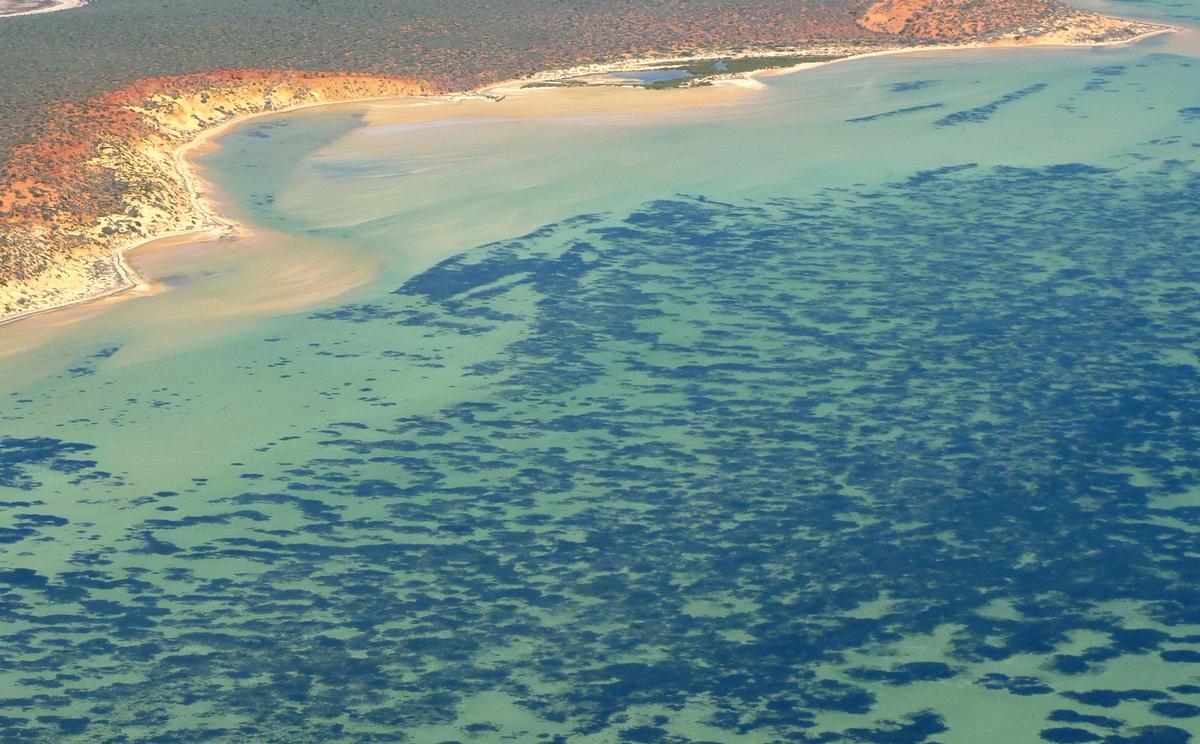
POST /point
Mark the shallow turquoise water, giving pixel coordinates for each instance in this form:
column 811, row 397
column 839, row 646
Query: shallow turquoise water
column 866, row 410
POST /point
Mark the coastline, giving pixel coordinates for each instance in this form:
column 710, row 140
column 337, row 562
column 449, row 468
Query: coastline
column 54, row 7
column 200, row 220
column 216, row 227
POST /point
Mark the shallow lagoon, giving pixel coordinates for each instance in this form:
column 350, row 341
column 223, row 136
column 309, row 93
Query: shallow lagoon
column 863, row 410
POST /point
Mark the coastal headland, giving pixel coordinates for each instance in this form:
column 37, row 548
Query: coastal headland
column 106, row 174
column 116, row 177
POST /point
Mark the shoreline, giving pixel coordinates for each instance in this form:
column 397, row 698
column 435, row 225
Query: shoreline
column 215, row 226
column 56, row 6
column 647, row 63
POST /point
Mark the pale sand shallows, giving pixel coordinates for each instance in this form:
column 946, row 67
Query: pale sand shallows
column 215, row 226
column 532, row 102
column 510, row 100
column 31, row 7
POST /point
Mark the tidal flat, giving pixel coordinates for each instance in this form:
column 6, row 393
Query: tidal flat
column 862, row 408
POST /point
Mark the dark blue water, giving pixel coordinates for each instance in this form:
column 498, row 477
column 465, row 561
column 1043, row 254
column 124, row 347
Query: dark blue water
column 912, row 460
